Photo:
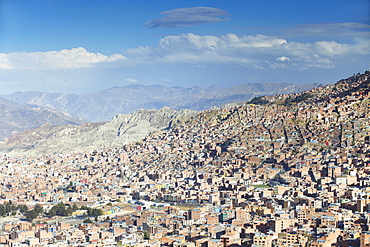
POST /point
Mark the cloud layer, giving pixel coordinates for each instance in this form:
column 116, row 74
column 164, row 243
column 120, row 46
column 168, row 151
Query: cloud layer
column 258, row 52
column 64, row 59
column 186, row 58
column 334, row 30
column 187, row 17
column 254, row 52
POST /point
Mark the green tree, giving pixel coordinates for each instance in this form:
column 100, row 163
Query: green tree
column 62, row 209
column 146, row 235
column 22, row 208
column 52, row 212
column 8, row 208
column 87, row 220
column 59, row 209
column 94, row 211
column 259, row 101
column 69, row 210
column 31, row 215
column 2, row 210
column 38, row 208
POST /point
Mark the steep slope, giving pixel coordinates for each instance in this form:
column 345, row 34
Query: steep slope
column 103, row 105
column 15, row 117
column 357, row 84
column 324, row 116
column 122, row 129
column 325, row 120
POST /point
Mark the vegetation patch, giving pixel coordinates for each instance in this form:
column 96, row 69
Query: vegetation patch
column 261, row 186
column 259, row 101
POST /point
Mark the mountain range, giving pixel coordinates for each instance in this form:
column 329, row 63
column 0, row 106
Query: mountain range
column 104, row 105
column 16, row 117
column 22, row 111
column 130, row 128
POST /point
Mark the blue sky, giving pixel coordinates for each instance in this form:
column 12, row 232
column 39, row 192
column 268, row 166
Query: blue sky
column 82, row 46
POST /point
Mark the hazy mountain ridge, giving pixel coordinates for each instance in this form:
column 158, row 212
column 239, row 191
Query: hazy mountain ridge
column 126, row 128
column 122, row 129
column 105, row 104
column 16, row 117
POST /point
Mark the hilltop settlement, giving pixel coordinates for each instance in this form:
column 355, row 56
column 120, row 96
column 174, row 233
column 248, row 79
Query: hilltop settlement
column 282, row 170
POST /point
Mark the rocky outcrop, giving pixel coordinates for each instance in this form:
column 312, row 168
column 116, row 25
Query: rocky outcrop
column 122, row 129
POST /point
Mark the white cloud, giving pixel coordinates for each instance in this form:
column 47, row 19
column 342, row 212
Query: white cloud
column 200, row 66
column 332, row 47
column 180, row 58
column 131, row 80
column 64, row 59
column 164, row 79
column 258, row 52
column 193, row 48
column 302, row 62
column 140, row 51
column 229, row 41
column 315, row 61
column 283, row 58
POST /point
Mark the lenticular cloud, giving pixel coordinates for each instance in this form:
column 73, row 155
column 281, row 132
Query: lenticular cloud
column 64, row 59
column 187, row 17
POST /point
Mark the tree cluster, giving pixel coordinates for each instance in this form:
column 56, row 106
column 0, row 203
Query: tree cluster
column 300, row 98
column 8, row 208
column 92, row 211
column 62, row 209
column 34, row 213
column 259, row 101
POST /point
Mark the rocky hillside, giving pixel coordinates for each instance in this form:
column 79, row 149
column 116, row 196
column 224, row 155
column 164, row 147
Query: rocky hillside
column 323, row 116
column 122, row 129
column 357, row 84
column 103, row 105
column 16, row 117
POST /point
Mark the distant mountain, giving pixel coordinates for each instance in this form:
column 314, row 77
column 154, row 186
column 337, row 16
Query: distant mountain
column 122, row 129
column 126, row 128
column 105, row 104
column 16, row 117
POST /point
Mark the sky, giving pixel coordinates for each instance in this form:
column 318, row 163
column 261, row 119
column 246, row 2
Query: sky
column 83, row 46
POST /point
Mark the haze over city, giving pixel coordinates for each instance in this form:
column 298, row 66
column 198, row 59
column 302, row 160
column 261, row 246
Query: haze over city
column 85, row 46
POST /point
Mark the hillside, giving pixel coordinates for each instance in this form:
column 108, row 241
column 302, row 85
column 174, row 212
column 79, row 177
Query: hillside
column 105, row 104
column 16, row 117
column 122, row 129
column 332, row 116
